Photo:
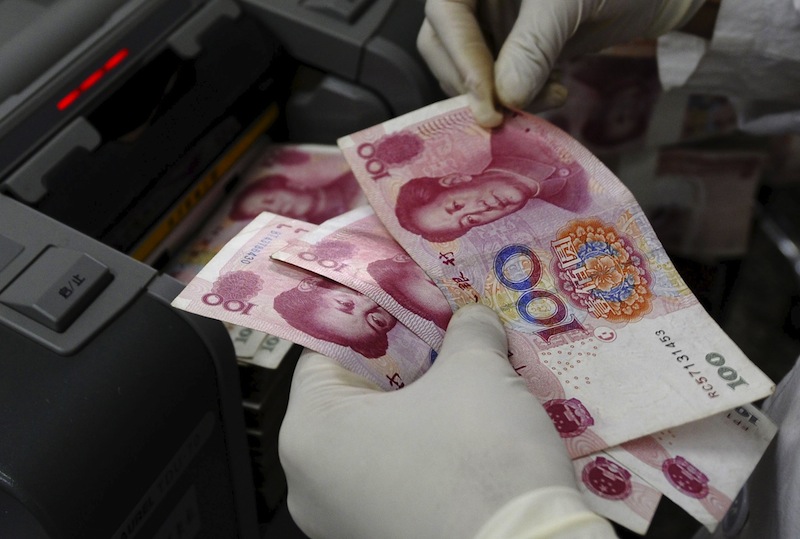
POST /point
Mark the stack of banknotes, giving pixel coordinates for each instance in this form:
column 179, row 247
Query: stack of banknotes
column 310, row 182
column 648, row 393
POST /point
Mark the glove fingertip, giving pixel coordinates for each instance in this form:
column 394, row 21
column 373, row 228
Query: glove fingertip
column 519, row 77
column 514, row 92
column 475, row 313
column 475, row 327
column 485, row 112
column 552, row 96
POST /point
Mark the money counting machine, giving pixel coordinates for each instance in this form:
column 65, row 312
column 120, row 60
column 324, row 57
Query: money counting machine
column 122, row 124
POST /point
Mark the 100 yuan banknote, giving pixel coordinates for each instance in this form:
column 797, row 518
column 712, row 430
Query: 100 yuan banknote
column 523, row 219
column 242, row 285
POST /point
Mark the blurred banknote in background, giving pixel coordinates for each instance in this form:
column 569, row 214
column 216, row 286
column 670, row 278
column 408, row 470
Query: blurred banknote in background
column 308, row 182
column 700, row 201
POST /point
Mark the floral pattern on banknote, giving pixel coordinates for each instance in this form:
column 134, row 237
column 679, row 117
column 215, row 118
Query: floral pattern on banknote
column 601, row 271
column 398, row 148
column 240, row 286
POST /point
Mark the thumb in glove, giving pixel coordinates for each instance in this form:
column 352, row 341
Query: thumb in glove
column 435, row 459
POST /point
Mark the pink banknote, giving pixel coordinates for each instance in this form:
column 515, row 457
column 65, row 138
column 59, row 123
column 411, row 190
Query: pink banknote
column 242, row 285
column 612, row 100
column 523, row 219
column 308, row 182
column 356, row 250
column 703, row 204
column 701, row 466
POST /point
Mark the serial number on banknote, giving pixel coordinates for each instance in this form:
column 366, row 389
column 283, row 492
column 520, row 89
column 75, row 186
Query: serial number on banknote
column 726, row 373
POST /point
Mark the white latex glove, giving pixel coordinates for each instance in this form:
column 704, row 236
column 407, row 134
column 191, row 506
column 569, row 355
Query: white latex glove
column 435, row 459
column 460, row 38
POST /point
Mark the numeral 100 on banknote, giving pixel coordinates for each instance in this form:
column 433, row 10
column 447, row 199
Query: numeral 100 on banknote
column 518, row 269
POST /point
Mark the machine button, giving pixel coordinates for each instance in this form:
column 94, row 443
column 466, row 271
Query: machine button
column 9, row 249
column 57, row 287
column 344, row 10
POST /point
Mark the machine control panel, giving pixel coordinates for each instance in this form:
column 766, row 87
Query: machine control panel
column 57, row 287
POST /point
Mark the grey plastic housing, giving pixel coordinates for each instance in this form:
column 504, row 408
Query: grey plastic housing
column 366, row 50
column 129, row 419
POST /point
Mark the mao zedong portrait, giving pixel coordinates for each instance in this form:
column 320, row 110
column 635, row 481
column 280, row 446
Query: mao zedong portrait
column 408, row 284
column 278, row 194
column 331, row 312
column 522, row 170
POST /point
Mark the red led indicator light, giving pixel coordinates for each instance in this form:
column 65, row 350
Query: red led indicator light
column 92, row 79
column 116, row 59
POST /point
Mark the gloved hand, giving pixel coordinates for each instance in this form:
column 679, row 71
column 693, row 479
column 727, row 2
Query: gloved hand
column 435, row 459
column 459, row 40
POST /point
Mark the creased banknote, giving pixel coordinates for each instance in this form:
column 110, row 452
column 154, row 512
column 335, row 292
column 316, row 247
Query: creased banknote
column 522, row 218
column 701, row 466
column 308, row 182
column 356, row 250
column 242, row 285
